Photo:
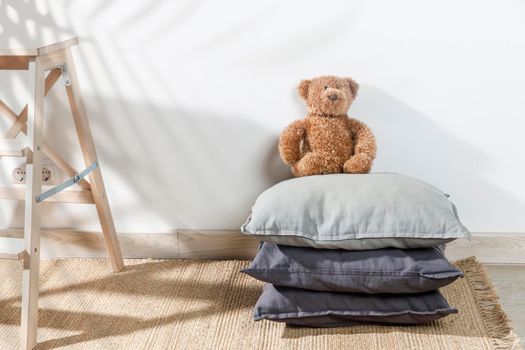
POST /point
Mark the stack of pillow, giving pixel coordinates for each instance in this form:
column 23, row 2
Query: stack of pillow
column 348, row 249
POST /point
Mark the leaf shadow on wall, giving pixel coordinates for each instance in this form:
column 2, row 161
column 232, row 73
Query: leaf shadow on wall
column 183, row 168
column 197, row 169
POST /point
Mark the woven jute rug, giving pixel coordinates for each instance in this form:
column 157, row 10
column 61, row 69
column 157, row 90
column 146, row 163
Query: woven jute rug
column 189, row 304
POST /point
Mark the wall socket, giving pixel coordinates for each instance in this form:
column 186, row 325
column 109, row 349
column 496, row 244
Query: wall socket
column 49, row 175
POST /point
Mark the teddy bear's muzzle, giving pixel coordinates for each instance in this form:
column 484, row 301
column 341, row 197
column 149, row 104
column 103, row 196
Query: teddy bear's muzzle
column 334, row 95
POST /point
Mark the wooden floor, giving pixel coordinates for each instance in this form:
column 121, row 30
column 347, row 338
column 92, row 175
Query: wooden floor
column 503, row 255
column 509, row 280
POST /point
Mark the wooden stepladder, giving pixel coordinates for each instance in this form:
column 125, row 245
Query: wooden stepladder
column 45, row 66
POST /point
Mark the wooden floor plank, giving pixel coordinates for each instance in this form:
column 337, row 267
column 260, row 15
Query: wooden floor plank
column 490, row 249
column 219, row 245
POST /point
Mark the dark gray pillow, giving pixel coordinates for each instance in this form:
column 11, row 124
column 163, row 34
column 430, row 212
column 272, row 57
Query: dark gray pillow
column 354, row 212
column 326, row 309
column 387, row 270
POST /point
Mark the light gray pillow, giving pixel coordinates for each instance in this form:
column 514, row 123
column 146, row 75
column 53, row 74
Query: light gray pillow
column 326, row 309
column 354, row 212
column 388, row 270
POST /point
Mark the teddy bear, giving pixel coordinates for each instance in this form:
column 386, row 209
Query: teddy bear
column 327, row 141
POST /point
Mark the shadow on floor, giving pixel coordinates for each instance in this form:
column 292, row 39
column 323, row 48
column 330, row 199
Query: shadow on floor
column 142, row 281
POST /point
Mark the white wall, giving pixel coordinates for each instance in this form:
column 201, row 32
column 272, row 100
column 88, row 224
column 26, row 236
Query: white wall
column 187, row 99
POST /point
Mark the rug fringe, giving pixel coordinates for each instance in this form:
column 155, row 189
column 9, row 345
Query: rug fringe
column 496, row 321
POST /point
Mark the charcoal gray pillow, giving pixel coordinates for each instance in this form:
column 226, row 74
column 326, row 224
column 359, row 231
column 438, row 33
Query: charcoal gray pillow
column 354, row 212
column 388, row 270
column 326, row 309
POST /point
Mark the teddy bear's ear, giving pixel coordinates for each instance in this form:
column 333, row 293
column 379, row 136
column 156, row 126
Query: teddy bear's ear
column 302, row 89
column 353, row 86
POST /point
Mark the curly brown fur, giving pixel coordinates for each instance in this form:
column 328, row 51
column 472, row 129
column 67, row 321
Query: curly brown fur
column 327, row 141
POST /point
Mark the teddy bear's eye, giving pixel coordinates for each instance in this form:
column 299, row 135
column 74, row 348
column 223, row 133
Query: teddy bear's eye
column 326, row 87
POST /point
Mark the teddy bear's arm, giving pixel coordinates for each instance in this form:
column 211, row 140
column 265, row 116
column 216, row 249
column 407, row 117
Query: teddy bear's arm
column 364, row 148
column 290, row 142
column 364, row 139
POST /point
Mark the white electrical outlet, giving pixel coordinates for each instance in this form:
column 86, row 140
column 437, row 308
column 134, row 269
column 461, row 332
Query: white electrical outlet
column 55, row 175
column 50, row 175
column 46, row 175
column 19, row 175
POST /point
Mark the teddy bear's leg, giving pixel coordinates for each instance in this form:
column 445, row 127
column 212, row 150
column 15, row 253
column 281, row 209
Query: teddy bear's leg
column 313, row 164
column 358, row 164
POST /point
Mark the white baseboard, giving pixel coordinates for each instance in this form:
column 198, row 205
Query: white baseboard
column 494, row 248
column 195, row 244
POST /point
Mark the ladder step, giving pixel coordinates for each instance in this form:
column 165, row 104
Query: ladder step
column 12, row 248
column 12, row 153
column 81, row 197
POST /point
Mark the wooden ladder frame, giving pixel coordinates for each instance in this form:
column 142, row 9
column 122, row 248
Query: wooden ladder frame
column 57, row 60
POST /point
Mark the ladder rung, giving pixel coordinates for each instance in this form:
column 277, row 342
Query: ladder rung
column 12, row 153
column 12, row 248
column 82, row 197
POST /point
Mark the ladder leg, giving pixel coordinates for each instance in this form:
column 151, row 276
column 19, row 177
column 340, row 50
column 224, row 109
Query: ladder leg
column 30, row 277
column 88, row 149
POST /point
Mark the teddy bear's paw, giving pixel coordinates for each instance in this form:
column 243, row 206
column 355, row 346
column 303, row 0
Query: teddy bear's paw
column 310, row 164
column 358, row 164
column 295, row 171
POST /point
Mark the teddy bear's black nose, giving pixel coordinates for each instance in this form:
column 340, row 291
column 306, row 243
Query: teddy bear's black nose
column 333, row 97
